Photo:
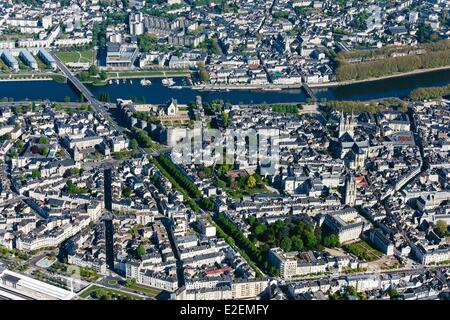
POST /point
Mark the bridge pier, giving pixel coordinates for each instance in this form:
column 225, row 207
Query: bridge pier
column 309, row 93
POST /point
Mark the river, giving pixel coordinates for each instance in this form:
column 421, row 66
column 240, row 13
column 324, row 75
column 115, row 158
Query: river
column 158, row 93
column 37, row 90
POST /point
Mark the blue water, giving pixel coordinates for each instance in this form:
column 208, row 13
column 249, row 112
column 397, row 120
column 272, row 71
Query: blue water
column 157, row 93
column 37, row 90
column 393, row 87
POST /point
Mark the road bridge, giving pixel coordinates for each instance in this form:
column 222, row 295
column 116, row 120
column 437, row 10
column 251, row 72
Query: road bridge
column 98, row 106
column 308, row 91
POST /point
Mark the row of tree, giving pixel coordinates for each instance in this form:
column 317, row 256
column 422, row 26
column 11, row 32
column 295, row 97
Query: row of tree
column 388, row 51
column 142, row 138
column 230, row 241
column 378, row 68
column 371, row 107
column 99, row 34
column 244, row 243
column 421, row 94
column 179, row 176
column 287, row 108
column 207, row 204
column 104, row 96
column 174, row 183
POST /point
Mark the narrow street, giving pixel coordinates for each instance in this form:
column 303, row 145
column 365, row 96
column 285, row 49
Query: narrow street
column 176, row 252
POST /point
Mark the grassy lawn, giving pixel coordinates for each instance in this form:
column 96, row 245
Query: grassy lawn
column 147, row 290
column 237, row 192
column 75, row 56
column 11, row 37
column 86, row 56
column 23, row 66
column 106, row 291
column 363, row 250
column 41, row 64
column 3, row 66
column 126, row 154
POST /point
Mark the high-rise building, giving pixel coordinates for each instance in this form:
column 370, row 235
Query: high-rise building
column 136, row 23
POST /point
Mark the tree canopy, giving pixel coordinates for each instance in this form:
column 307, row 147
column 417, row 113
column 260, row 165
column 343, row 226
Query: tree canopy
column 147, row 42
column 441, row 228
column 289, row 235
column 140, row 251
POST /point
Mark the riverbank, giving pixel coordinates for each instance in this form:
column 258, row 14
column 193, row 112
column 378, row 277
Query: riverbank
column 24, row 79
column 158, row 93
column 227, row 87
column 147, row 74
column 278, row 87
column 29, row 77
column 397, row 75
column 112, row 76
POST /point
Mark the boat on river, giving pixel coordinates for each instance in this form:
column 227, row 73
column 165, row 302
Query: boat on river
column 168, row 82
column 145, row 82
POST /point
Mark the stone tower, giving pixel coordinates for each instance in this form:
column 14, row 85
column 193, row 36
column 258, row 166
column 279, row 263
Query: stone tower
column 350, row 190
column 346, row 124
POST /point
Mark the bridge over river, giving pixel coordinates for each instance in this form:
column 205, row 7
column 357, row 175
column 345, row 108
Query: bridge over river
column 98, row 106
